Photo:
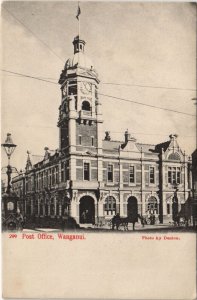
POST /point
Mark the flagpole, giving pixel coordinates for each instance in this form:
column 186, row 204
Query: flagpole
column 79, row 20
column 79, row 26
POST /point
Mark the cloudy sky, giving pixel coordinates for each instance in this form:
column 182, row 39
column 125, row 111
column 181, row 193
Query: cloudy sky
column 143, row 44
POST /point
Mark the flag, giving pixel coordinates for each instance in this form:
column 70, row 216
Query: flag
column 78, row 12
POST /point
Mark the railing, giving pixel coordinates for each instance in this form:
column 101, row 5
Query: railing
column 85, row 113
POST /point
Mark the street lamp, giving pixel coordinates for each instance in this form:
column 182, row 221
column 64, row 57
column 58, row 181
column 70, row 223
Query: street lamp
column 9, row 148
column 175, row 203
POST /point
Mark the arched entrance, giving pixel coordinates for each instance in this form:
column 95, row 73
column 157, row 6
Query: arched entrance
column 132, row 209
column 152, row 207
column 86, row 210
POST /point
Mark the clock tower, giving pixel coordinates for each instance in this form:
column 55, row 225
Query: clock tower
column 80, row 116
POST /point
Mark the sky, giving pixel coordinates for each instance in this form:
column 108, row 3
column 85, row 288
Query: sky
column 146, row 44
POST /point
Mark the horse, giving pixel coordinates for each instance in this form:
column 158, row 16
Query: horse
column 124, row 221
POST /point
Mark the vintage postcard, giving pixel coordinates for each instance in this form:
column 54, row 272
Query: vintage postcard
column 99, row 158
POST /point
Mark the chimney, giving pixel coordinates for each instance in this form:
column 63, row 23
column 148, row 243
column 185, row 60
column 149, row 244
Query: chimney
column 127, row 136
column 107, row 136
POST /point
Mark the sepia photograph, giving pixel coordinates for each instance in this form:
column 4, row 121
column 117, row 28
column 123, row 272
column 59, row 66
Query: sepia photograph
column 98, row 134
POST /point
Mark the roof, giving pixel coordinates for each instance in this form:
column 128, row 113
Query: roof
column 114, row 146
column 111, row 145
column 146, row 147
column 80, row 59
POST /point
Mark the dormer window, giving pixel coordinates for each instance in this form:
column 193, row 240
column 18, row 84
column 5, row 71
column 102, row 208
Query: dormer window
column 86, row 106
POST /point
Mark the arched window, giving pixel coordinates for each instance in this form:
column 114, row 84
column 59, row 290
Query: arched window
column 174, row 156
column 110, row 206
column 86, row 106
column 152, row 205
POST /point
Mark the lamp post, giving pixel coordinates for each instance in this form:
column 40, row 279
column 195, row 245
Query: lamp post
column 9, row 148
column 175, row 203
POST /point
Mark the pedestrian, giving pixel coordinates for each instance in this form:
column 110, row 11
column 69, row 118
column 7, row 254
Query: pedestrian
column 83, row 216
column 142, row 219
column 152, row 219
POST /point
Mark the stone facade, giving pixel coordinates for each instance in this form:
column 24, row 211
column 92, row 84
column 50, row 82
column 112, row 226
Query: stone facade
column 91, row 178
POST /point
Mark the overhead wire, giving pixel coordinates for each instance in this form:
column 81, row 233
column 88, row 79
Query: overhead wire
column 41, row 41
column 133, row 85
column 111, row 131
column 105, row 95
column 149, row 86
column 145, row 104
column 106, row 83
column 28, row 76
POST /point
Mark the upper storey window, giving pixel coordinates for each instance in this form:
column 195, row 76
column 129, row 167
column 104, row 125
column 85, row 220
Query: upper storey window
column 72, row 89
column 152, row 175
column 110, row 173
column 131, row 174
column 86, row 171
column 86, row 106
column 174, row 175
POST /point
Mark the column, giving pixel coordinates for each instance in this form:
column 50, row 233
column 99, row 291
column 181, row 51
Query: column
column 143, row 204
column 121, row 204
column 60, row 210
column 121, row 175
column 165, row 205
column 100, row 208
column 49, row 211
column 96, row 210
column 38, row 206
column 72, row 124
column 93, row 100
column 185, row 180
column 99, row 127
column 100, row 169
column 60, row 179
column 32, row 206
column 55, row 206
column 72, row 167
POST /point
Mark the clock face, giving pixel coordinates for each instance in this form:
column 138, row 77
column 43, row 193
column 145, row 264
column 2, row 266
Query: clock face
column 86, row 87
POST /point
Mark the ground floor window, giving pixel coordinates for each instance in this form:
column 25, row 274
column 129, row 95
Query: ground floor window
column 110, row 206
column 152, row 206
